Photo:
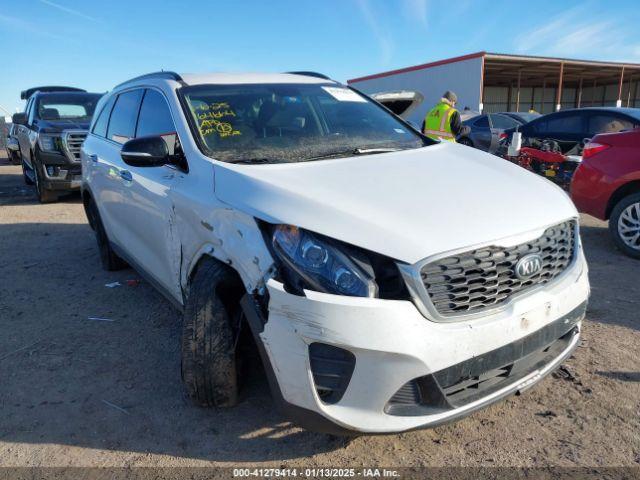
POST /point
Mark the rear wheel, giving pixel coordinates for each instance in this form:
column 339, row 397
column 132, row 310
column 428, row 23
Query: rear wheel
column 109, row 259
column 624, row 225
column 14, row 158
column 211, row 329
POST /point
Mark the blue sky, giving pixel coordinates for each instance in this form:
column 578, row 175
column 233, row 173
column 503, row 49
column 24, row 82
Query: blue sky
column 97, row 44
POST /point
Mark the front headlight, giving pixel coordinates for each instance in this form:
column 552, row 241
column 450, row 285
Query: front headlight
column 320, row 263
column 50, row 143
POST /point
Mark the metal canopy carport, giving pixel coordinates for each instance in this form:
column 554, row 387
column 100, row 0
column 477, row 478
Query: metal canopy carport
column 495, row 82
column 519, row 82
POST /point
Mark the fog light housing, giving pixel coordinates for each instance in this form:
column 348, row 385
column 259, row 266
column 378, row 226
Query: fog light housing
column 332, row 368
column 56, row 172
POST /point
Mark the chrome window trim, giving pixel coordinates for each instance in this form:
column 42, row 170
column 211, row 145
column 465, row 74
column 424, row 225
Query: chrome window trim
column 420, row 296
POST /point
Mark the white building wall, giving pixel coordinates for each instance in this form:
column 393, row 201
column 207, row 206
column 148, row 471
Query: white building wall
column 462, row 77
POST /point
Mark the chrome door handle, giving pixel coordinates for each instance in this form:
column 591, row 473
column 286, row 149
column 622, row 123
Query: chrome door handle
column 126, row 175
column 93, row 158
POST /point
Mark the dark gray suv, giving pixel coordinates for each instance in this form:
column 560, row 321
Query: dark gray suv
column 50, row 133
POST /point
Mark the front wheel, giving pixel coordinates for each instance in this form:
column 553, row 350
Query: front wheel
column 27, row 179
column 211, row 329
column 44, row 195
column 624, row 225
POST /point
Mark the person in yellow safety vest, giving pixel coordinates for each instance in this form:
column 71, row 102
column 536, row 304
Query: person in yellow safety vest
column 443, row 121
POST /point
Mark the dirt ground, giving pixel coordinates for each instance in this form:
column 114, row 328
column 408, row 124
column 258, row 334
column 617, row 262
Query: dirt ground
column 82, row 392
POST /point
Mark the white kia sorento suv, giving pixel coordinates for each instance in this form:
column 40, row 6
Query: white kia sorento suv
column 389, row 282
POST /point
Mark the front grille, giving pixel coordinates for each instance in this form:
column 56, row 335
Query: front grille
column 72, row 141
column 472, row 281
column 484, row 374
column 471, row 387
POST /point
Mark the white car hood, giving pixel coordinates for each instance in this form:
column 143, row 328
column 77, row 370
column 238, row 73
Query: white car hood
column 407, row 205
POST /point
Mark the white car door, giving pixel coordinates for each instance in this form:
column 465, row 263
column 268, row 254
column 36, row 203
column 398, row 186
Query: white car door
column 105, row 172
column 147, row 214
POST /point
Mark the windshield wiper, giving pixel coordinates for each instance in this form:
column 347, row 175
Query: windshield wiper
column 253, row 160
column 356, row 151
column 371, row 151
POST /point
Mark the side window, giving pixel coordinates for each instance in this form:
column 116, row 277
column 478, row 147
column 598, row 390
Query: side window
column 565, row 124
column 503, row 122
column 27, row 107
column 100, row 127
column 122, row 125
column 607, row 123
column 30, row 111
column 482, row 122
column 155, row 116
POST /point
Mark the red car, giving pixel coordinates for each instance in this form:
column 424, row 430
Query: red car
column 607, row 186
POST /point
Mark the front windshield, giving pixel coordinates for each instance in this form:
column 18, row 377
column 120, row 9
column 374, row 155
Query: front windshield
column 68, row 106
column 283, row 123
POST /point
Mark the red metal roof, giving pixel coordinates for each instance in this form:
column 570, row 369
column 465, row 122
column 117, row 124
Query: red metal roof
column 418, row 67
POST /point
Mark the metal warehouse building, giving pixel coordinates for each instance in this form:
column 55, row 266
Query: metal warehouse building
column 493, row 82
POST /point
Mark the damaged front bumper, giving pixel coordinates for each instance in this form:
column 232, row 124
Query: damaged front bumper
column 348, row 364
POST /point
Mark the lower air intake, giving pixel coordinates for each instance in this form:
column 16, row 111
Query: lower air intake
column 332, row 368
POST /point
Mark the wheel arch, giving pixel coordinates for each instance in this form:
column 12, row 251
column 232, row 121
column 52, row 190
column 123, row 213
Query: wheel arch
column 235, row 281
column 621, row 192
column 250, row 281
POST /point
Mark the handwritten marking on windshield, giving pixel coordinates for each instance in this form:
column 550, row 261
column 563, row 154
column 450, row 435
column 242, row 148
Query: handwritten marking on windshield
column 209, row 116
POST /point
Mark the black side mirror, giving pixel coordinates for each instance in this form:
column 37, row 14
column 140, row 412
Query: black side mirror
column 145, row 152
column 19, row 118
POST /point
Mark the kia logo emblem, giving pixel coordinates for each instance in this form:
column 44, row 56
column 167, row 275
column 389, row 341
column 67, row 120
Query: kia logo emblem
column 528, row 266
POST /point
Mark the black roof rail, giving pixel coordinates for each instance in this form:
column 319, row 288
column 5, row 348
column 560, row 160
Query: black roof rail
column 162, row 74
column 25, row 94
column 311, row 74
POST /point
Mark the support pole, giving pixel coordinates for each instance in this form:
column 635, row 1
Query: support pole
column 518, row 93
column 579, row 102
column 619, row 101
column 481, row 105
column 544, row 86
column 559, row 92
column 629, row 91
column 533, row 97
column 593, row 92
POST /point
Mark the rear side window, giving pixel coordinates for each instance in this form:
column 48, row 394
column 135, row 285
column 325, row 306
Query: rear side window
column 565, row 124
column 606, row 123
column 155, row 116
column 122, row 125
column 503, row 122
column 482, row 122
column 100, row 127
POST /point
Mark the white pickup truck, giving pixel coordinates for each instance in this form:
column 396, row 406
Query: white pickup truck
column 390, row 282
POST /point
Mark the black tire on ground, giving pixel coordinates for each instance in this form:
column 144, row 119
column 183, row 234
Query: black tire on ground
column 211, row 327
column 465, row 141
column 629, row 209
column 109, row 259
column 26, row 178
column 14, row 158
column 44, row 195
